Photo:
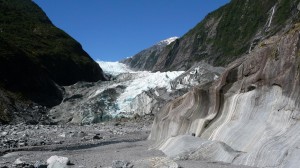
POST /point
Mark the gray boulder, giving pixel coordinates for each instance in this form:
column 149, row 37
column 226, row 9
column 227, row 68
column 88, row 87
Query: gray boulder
column 58, row 162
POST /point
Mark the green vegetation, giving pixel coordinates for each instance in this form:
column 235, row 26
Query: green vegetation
column 275, row 53
column 36, row 57
column 26, row 27
column 236, row 25
column 239, row 24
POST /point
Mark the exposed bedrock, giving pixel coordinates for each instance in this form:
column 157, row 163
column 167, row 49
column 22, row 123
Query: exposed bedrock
column 185, row 147
column 253, row 107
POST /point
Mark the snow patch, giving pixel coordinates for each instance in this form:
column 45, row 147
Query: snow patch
column 114, row 68
column 167, row 41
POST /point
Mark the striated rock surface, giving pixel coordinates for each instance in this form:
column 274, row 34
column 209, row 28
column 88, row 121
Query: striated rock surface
column 253, row 107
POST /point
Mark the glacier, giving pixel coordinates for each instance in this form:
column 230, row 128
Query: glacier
column 114, row 68
column 128, row 93
column 142, row 81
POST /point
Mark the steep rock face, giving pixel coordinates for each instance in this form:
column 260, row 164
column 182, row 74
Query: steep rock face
column 253, row 107
column 36, row 57
column 227, row 33
column 146, row 59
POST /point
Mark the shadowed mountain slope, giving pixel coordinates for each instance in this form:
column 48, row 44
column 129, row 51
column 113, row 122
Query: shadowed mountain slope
column 36, row 57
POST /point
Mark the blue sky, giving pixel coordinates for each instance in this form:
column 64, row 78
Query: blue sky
column 111, row 30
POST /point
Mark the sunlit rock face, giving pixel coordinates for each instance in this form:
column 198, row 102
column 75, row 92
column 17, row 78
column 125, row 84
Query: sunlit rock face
column 254, row 107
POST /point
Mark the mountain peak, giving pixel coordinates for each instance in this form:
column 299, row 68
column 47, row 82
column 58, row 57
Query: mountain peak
column 167, row 41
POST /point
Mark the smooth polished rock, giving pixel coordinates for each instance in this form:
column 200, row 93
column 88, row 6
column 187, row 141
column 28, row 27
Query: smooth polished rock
column 187, row 147
column 253, row 107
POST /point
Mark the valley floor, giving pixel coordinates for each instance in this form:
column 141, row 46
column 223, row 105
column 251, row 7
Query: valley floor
column 103, row 156
column 91, row 146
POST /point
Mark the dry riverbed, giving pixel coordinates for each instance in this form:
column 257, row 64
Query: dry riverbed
column 121, row 143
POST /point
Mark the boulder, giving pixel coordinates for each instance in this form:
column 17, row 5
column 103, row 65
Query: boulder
column 18, row 162
column 97, row 137
column 58, row 162
column 4, row 133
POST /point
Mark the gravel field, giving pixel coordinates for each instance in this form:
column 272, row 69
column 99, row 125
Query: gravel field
column 109, row 144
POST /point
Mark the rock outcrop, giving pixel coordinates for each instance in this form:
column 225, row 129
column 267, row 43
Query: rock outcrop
column 36, row 58
column 253, row 107
column 186, row 147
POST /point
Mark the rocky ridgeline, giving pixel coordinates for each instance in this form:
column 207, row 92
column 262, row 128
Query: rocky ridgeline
column 146, row 59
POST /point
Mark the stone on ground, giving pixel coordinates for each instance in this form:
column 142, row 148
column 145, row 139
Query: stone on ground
column 58, row 162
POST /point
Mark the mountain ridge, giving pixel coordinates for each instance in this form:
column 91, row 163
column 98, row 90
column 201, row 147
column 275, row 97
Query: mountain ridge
column 145, row 59
column 36, row 57
column 226, row 33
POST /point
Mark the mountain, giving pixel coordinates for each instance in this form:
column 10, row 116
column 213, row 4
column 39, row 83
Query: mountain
column 146, row 59
column 246, row 114
column 225, row 34
column 251, row 114
column 36, row 58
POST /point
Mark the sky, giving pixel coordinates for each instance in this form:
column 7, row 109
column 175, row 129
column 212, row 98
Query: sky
column 111, row 30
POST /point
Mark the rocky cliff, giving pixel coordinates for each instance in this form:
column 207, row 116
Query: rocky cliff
column 146, row 59
column 249, row 116
column 226, row 34
column 35, row 58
